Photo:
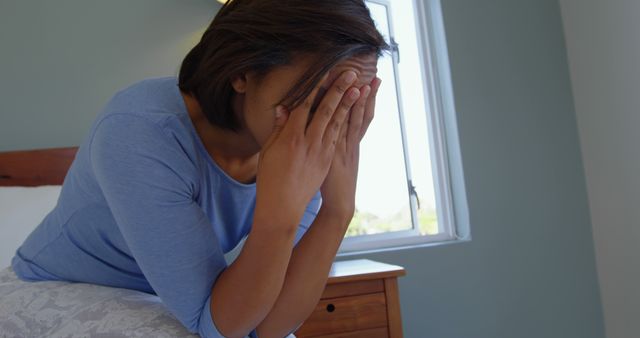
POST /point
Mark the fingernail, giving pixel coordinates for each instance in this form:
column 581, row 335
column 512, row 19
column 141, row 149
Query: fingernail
column 379, row 82
column 279, row 111
column 350, row 77
column 366, row 90
column 354, row 93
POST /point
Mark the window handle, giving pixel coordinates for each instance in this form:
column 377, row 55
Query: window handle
column 413, row 192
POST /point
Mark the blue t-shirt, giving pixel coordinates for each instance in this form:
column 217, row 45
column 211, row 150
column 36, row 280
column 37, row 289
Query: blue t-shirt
column 145, row 207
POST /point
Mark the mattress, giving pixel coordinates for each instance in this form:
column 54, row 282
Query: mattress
column 63, row 309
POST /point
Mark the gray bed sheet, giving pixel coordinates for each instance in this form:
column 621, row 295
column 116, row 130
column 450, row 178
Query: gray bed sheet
column 62, row 309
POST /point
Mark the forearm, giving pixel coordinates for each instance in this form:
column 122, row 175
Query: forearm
column 306, row 276
column 246, row 291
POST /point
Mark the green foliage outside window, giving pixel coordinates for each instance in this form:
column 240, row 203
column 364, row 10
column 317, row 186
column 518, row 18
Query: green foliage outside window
column 364, row 223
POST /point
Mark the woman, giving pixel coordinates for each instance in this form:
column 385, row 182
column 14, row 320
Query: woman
column 267, row 113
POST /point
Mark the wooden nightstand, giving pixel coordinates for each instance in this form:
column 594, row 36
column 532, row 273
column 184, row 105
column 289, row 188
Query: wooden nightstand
column 360, row 300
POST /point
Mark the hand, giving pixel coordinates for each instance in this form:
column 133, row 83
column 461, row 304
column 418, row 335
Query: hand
column 295, row 159
column 339, row 188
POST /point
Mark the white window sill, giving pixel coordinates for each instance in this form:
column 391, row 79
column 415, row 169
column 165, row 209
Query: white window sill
column 395, row 241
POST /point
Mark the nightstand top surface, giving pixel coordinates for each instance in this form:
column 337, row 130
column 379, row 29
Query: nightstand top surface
column 362, row 269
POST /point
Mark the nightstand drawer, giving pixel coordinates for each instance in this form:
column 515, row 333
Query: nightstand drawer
column 353, row 288
column 346, row 314
column 380, row 332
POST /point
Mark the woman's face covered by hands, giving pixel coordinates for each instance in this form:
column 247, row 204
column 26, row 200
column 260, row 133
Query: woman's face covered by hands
column 257, row 97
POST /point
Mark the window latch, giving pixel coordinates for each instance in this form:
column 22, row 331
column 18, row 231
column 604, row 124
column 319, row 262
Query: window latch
column 413, row 192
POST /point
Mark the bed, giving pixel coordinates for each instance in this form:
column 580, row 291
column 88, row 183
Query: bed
column 360, row 299
column 29, row 187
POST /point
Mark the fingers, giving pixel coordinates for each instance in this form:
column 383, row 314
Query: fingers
column 280, row 119
column 342, row 137
column 299, row 117
column 279, row 122
column 332, row 132
column 370, row 107
column 332, row 103
column 356, row 118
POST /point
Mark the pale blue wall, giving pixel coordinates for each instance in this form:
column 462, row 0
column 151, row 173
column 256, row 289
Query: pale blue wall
column 604, row 49
column 529, row 270
column 61, row 60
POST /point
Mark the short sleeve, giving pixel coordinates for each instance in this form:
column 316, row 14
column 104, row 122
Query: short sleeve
column 148, row 182
column 309, row 216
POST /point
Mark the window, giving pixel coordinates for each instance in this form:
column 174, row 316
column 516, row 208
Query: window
column 405, row 183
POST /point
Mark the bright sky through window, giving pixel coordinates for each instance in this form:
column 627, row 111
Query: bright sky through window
column 383, row 199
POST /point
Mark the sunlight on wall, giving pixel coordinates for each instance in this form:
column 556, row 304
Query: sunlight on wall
column 192, row 39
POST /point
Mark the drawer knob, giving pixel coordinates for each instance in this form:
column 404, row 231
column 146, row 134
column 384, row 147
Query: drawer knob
column 331, row 308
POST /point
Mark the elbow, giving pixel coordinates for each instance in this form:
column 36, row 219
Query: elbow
column 235, row 331
column 209, row 328
column 206, row 327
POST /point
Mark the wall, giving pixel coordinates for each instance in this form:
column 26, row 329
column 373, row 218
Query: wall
column 62, row 60
column 604, row 49
column 529, row 270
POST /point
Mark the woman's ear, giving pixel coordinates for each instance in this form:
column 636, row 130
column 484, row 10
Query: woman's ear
column 239, row 83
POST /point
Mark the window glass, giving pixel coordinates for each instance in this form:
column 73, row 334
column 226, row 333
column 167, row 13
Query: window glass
column 395, row 154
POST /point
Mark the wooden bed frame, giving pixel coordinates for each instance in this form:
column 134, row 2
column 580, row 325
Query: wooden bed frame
column 31, row 168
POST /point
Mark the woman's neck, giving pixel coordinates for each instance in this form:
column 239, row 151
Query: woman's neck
column 236, row 153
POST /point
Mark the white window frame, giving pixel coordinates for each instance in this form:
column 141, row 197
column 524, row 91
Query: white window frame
column 443, row 141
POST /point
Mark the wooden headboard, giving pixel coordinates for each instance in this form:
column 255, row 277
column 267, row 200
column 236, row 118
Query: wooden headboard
column 35, row 167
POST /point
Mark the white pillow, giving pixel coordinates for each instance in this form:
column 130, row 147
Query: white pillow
column 21, row 210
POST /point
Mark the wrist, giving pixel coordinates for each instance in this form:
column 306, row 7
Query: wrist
column 339, row 217
column 281, row 220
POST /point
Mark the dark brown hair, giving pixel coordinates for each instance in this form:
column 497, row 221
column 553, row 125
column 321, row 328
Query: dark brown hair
column 258, row 35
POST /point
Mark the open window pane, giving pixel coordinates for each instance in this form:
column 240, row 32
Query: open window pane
column 415, row 115
column 396, row 187
column 382, row 199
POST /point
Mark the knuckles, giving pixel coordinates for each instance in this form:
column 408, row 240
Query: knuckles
column 326, row 111
column 341, row 88
column 346, row 104
column 335, row 125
